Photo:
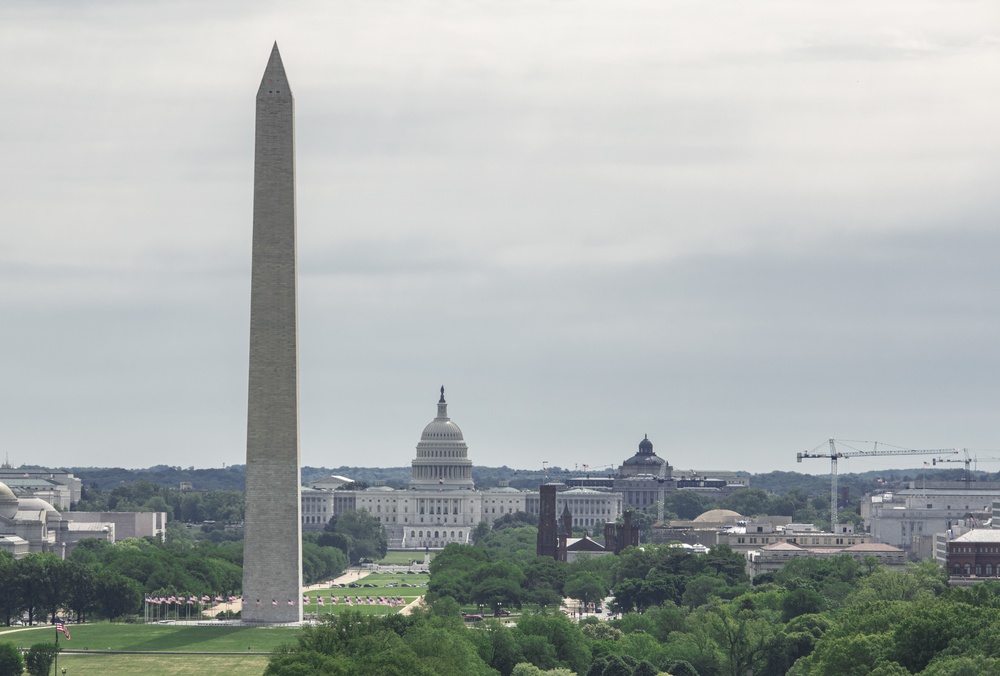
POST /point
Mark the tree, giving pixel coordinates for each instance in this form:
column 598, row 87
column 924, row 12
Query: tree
column 680, row 668
column 801, row 601
column 685, row 504
column 585, row 587
column 495, row 593
column 81, row 592
column 616, row 666
column 644, row 668
column 481, row 530
column 118, row 595
column 39, row 658
column 744, row 636
column 11, row 663
column 497, row 584
column 56, row 575
column 700, row 589
column 367, row 536
column 559, row 632
column 601, row 631
column 515, row 520
column 30, row 577
column 10, row 595
column 498, row 647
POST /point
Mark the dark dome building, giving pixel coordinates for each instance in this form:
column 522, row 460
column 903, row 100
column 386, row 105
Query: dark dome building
column 641, row 477
column 646, row 462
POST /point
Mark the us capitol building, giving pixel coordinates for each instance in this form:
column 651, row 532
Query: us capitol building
column 442, row 504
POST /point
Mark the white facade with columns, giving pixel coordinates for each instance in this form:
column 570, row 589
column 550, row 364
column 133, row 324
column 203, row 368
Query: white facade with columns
column 441, row 504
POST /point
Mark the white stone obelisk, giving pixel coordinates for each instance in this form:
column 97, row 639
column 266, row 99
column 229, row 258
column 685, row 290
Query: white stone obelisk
column 272, row 551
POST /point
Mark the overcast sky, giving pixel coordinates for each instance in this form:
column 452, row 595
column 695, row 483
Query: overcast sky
column 739, row 228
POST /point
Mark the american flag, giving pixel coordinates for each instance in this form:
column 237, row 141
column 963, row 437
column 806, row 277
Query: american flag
column 60, row 626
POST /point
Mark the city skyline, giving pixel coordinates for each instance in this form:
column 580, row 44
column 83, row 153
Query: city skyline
column 739, row 230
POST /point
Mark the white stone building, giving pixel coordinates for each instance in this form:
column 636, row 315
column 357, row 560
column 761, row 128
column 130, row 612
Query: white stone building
column 910, row 517
column 442, row 504
column 30, row 525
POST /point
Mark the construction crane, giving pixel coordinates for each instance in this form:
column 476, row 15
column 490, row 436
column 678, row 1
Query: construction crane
column 834, row 454
column 967, row 461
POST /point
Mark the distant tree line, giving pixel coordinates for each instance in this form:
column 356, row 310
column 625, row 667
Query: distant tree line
column 111, row 580
column 222, row 506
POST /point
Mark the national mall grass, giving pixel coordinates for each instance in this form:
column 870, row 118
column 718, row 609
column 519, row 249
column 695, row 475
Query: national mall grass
column 136, row 637
column 408, row 594
column 172, row 639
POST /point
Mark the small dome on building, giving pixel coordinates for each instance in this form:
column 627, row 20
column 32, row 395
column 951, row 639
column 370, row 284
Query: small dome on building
column 8, row 502
column 39, row 505
column 718, row 516
column 646, row 446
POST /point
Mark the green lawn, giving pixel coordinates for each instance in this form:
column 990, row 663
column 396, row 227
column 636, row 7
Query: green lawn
column 104, row 636
column 168, row 665
column 380, row 580
column 157, row 637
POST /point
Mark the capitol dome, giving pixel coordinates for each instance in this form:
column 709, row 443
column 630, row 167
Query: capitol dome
column 442, row 461
column 441, row 429
column 8, row 502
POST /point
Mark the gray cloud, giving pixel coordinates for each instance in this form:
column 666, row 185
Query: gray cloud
column 739, row 231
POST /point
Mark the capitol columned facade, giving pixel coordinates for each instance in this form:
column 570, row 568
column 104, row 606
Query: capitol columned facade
column 440, row 506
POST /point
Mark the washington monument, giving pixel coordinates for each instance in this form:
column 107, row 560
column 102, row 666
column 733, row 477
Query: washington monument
column 272, row 551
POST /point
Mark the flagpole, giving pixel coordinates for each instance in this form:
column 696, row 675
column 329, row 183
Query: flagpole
column 57, row 650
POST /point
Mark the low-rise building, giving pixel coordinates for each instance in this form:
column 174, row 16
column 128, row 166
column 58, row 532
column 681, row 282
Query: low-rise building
column 30, row 525
column 773, row 557
column 755, row 535
column 975, row 554
column 56, row 486
column 909, row 517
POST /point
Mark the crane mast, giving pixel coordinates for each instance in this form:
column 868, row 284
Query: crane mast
column 834, row 454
